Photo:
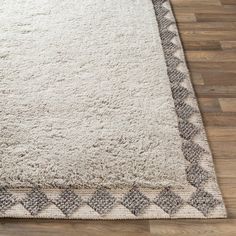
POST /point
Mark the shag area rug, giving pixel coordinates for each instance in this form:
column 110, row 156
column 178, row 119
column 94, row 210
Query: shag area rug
column 98, row 116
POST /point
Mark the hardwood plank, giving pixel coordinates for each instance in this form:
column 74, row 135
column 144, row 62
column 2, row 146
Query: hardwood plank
column 206, row 17
column 201, row 67
column 219, row 119
column 74, row 228
column 209, row 105
column 224, row 150
column 225, row 168
column 194, row 227
column 228, row 2
column 222, row 134
column 231, row 207
column 202, row 45
column 219, row 78
column 228, row 104
column 205, row 35
column 197, row 79
column 185, row 17
column 228, row 187
column 195, row 3
column 213, row 9
column 208, row 27
column 230, row 6
column 211, row 56
column 215, row 91
column 231, row 45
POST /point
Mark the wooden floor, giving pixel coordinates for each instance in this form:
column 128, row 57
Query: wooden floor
column 208, row 31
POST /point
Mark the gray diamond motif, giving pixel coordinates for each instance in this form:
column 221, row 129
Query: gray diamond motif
column 192, row 151
column 165, row 22
column 187, row 130
column 6, row 200
column 179, row 92
column 35, row 202
column 168, row 201
column 203, row 201
column 161, row 2
column 135, row 201
column 166, row 35
column 172, row 62
column 175, row 76
column 158, row 5
column 102, row 201
column 170, row 48
column 196, row 175
column 68, row 202
column 183, row 110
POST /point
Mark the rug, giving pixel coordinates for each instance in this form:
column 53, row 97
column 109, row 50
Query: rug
column 98, row 115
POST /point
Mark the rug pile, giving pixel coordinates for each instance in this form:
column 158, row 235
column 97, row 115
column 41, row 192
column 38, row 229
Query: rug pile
column 98, row 115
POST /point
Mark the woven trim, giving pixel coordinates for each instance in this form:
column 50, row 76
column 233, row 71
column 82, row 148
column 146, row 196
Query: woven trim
column 201, row 198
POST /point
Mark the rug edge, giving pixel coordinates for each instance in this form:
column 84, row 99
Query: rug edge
column 24, row 211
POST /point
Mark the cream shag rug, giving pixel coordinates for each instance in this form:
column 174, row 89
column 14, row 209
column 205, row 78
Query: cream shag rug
column 98, row 116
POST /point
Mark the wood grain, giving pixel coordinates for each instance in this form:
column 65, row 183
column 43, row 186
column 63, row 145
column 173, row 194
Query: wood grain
column 208, row 31
column 219, row 78
column 230, row 45
column 193, row 227
column 228, row 104
column 218, row 119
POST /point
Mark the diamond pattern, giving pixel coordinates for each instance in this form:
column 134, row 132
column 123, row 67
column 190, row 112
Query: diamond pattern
column 159, row 2
column 35, row 202
column 203, row 201
column 192, row 151
column 162, row 10
column 172, row 62
column 183, row 110
column 6, row 200
column 170, row 48
column 168, row 201
column 187, row 130
column 166, row 35
column 165, row 22
column 68, row 202
column 196, row 175
column 135, row 201
column 179, row 92
column 175, row 76
column 102, row 201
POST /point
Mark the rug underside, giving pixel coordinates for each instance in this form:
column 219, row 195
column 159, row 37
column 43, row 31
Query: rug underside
column 185, row 186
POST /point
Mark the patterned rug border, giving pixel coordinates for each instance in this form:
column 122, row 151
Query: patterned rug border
column 200, row 199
